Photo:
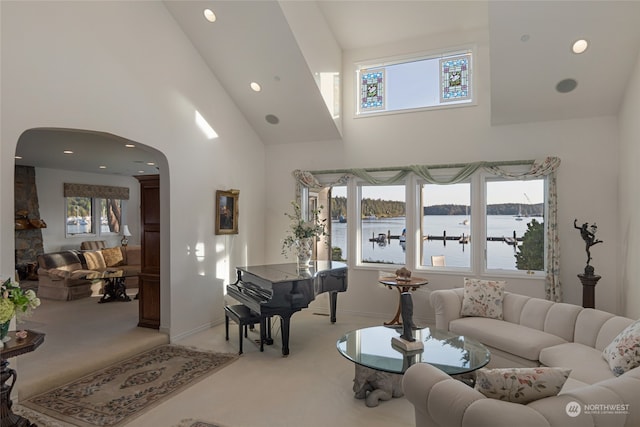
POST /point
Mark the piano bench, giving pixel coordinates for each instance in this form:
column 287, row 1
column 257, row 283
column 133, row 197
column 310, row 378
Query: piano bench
column 243, row 316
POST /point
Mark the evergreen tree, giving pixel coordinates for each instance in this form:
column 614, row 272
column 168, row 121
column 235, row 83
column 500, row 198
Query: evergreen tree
column 530, row 254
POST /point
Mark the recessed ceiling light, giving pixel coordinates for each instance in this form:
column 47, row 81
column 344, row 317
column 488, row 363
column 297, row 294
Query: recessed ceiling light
column 18, row 157
column 150, row 164
column 579, row 46
column 270, row 118
column 209, row 15
column 566, row 85
column 255, row 87
column 102, row 167
column 140, row 171
column 129, row 145
column 68, row 152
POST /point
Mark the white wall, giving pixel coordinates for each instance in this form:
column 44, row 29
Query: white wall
column 127, row 69
column 629, row 198
column 50, row 183
column 587, row 178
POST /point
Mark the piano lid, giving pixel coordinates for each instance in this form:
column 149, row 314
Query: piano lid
column 289, row 272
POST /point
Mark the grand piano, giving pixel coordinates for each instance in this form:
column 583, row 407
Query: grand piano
column 283, row 289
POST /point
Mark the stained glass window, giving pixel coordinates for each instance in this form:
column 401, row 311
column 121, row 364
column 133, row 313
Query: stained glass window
column 372, row 96
column 414, row 83
column 454, row 79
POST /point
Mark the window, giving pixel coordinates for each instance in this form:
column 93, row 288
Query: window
column 92, row 216
column 422, row 82
column 515, row 224
column 382, row 224
column 481, row 218
column 446, row 225
column 79, row 216
column 339, row 235
column 94, row 209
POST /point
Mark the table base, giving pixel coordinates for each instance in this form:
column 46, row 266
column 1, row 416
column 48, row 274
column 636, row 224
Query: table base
column 7, row 417
column 374, row 386
column 114, row 290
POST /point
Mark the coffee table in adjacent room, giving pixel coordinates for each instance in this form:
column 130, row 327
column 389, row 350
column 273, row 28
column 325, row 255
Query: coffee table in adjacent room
column 114, row 287
column 379, row 366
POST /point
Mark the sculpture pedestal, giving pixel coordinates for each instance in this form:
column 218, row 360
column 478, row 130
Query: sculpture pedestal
column 589, row 282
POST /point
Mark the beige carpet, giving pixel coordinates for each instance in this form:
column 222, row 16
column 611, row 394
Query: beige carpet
column 82, row 336
column 114, row 395
column 311, row 387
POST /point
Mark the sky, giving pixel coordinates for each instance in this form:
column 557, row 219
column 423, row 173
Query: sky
column 497, row 192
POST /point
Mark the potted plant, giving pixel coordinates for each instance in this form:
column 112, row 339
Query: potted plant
column 302, row 234
column 14, row 301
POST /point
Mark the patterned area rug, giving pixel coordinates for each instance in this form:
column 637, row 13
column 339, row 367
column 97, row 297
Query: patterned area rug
column 196, row 423
column 114, row 395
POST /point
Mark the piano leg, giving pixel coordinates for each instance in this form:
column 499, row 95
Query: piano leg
column 285, row 322
column 265, row 332
column 333, row 303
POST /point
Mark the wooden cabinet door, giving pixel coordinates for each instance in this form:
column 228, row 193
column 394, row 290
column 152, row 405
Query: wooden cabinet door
column 149, row 281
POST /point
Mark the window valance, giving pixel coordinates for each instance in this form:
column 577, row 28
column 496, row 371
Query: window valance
column 96, row 191
column 538, row 168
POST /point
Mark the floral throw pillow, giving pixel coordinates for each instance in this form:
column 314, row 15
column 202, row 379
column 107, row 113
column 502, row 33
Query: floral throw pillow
column 521, row 385
column 623, row 353
column 483, row 298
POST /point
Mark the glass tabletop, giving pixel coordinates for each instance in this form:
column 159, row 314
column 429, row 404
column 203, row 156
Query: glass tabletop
column 451, row 353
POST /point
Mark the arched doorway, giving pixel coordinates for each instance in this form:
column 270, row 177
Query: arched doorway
column 97, row 157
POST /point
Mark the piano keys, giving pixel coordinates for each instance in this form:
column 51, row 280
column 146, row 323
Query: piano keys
column 282, row 289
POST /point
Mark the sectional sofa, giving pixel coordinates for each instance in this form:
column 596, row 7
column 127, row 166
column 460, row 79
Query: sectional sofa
column 73, row 274
column 532, row 332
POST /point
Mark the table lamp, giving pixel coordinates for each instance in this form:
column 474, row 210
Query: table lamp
column 125, row 234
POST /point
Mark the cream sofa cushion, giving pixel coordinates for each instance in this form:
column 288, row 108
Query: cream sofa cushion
column 515, row 339
column 587, row 362
column 588, row 324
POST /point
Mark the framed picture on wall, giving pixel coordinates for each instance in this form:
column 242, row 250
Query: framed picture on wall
column 227, row 211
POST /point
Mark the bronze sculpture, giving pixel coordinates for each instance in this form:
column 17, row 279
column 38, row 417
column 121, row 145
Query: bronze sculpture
column 589, row 236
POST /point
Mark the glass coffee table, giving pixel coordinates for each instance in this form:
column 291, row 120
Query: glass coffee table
column 379, row 366
column 114, row 288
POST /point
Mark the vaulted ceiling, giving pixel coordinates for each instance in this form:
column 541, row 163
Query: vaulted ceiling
column 529, row 47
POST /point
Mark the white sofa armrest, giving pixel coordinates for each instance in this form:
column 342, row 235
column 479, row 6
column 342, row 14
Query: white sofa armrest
column 441, row 401
column 447, row 304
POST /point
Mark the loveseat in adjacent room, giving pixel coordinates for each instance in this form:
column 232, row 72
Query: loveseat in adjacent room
column 71, row 274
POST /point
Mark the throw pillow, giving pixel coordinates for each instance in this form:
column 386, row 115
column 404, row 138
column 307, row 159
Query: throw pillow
column 623, row 353
column 95, row 260
column 521, row 385
column 483, row 298
column 112, row 257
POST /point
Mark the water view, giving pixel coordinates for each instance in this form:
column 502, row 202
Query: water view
column 500, row 255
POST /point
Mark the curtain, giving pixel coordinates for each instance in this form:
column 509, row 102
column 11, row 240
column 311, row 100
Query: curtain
column 539, row 168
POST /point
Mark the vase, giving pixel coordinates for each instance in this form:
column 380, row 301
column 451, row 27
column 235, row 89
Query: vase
column 303, row 250
column 4, row 330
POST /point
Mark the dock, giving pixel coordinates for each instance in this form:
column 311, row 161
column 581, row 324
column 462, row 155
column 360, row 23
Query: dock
column 464, row 238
